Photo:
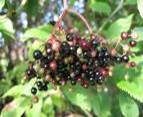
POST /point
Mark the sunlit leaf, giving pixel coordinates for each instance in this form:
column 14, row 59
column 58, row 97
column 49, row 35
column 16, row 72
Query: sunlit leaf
column 15, row 91
column 6, row 26
column 130, row 2
column 18, row 107
column 35, row 111
column 140, row 7
column 120, row 25
column 2, row 2
column 41, row 32
column 128, row 106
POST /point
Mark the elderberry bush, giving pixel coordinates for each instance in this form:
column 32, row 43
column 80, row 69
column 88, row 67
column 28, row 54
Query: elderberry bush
column 87, row 61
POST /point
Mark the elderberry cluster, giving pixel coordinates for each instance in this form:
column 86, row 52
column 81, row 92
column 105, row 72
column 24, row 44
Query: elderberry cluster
column 73, row 60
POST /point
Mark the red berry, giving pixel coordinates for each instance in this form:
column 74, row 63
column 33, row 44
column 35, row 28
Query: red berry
column 53, row 65
column 104, row 72
column 56, row 44
column 84, row 66
column 132, row 64
column 133, row 43
column 124, row 35
column 84, row 44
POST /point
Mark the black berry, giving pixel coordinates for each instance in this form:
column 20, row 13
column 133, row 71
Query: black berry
column 125, row 58
column 33, row 90
column 37, row 54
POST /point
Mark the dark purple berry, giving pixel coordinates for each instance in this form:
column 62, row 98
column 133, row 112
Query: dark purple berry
column 70, row 37
column 30, row 73
column 33, row 90
column 39, row 84
column 125, row 58
column 118, row 59
column 100, row 80
column 37, row 54
column 133, row 43
column 94, row 43
column 73, row 82
column 45, row 87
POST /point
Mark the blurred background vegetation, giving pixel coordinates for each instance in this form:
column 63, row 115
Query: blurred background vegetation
column 26, row 24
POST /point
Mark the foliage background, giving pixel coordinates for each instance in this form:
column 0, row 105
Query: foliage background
column 23, row 28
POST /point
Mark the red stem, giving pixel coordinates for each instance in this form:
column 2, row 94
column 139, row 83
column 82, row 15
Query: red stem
column 65, row 11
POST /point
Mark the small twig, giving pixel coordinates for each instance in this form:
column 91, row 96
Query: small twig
column 112, row 14
column 118, row 41
column 65, row 11
column 83, row 19
column 58, row 23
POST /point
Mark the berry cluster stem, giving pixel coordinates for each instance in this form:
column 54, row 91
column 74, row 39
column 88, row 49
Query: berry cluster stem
column 83, row 19
column 65, row 12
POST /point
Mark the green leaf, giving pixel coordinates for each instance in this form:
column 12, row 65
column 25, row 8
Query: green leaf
column 79, row 97
column 48, row 104
column 134, row 88
column 2, row 3
column 140, row 7
column 15, row 91
column 89, row 99
column 35, row 111
column 101, row 7
column 128, row 106
column 19, row 106
column 41, row 32
column 59, row 102
column 130, row 2
column 17, row 71
column 6, row 26
column 119, row 26
column 32, row 7
column 101, row 104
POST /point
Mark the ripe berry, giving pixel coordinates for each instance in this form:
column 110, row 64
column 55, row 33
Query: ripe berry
column 73, row 82
column 70, row 37
column 30, row 73
column 91, row 81
column 94, row 43
column 45, row 87
column 100, row 80
column 37, row 54
column 125, row 58
column 73, row 50
column 124, row 35
column 133, row 43
column 65, row 49
column 52, row 22
column 33, row 90
column 39, row 84
column 118, row 59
